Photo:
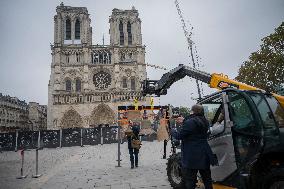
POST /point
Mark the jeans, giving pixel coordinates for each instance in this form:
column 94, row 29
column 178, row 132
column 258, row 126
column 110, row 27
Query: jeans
column 190, row 178
column 133, row 156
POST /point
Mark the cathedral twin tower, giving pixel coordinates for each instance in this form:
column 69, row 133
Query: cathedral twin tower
column 88, row 82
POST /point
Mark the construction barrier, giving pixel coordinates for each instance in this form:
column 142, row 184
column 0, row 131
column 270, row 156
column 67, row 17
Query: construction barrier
column 63, row 138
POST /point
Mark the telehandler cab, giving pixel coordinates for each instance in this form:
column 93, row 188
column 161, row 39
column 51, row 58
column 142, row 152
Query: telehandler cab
column 248, row 142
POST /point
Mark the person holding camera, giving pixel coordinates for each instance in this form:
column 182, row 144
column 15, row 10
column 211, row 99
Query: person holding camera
column 195, row 150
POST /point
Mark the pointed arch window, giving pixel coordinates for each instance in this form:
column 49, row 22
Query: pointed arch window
column 77, row 57
column 78, row 85
column 68, row 29
column 133, row 84
column 129, row 33
column 77, row 29
column 95, row 58
column 68, row 85
column 121, row 34
column 124, row 83
column 122, row 56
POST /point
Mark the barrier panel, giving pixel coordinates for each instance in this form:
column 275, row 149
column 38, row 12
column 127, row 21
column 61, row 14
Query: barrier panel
column 91, row 136
column 109, row 134
column 50, row 138
column 71, row 137
column 150, row 137
column 7, row 141
column 27, row 139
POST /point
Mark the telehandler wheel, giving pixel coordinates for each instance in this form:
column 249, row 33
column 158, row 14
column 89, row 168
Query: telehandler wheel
column 277, row 185
column 274, row 180
column 174, row 171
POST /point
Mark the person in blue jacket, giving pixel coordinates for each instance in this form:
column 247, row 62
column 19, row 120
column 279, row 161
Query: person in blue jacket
column 196, row 153
column 133, row 152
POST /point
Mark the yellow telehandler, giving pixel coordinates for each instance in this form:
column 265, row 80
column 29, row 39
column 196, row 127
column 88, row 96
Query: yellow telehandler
column 248, row 142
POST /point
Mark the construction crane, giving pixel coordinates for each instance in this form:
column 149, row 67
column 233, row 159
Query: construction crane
column 190, row 43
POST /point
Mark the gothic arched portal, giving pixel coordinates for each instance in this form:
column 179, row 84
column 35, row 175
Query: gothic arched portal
column 102, row 114
column 71, row 119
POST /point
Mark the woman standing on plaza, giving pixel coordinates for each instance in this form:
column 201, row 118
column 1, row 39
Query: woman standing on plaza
column 133, row 144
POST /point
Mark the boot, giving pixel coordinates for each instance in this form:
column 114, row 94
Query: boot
column 136, row 162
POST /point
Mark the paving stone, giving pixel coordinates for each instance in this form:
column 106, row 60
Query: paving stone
column 87, row 167
column 121, row 186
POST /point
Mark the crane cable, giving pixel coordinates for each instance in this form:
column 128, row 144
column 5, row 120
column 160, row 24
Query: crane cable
column 190, row 44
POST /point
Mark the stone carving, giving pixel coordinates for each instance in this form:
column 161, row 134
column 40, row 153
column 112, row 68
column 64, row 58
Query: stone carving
column 128, row 72
column 103, row 114
column 69, row 51
column 71, row 119
column 86, row 120
column 72, row 73
column 57, row 81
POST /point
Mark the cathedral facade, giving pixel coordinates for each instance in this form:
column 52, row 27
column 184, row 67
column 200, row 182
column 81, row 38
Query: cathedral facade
column 88, row 82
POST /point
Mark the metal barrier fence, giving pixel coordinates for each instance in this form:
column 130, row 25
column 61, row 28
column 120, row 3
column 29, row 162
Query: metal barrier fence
column 61, row 138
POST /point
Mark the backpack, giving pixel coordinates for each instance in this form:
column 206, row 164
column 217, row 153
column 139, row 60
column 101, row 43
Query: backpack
column 135, row 142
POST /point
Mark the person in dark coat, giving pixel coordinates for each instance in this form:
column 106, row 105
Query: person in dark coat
column 195, row 150
column 133, row 152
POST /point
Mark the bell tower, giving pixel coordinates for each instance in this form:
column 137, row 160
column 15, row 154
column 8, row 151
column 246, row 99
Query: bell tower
column 72, row 26
column 125, row 28
column 88, row 82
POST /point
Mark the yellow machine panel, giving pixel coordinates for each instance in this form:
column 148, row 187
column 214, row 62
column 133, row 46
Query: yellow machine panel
column 220, row 81
column 217, row 186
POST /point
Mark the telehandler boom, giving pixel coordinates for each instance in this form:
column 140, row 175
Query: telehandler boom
column 218, row 81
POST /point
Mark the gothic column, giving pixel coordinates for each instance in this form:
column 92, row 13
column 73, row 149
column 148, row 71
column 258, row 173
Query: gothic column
column 86, row 78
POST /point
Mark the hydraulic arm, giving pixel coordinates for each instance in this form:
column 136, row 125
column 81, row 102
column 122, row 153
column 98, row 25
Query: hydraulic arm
column 218, row 81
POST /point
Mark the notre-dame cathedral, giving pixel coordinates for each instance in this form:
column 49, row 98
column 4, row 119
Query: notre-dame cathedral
column 88, row 82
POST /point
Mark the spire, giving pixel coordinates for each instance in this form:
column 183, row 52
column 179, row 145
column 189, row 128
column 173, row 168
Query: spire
column 103, row 39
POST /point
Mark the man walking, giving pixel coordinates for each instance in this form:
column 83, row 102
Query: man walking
column 195, row 150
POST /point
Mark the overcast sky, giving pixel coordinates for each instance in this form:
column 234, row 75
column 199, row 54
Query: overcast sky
column 225, row 33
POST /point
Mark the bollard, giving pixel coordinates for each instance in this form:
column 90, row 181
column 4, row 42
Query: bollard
column 16, row 146
column 102, row 139
column 118, row 148
column 81, row 137
column 60, row 138
column 36, row 175
column 38, row 139
column 22, row 168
